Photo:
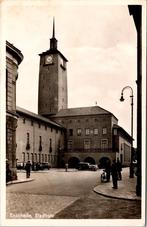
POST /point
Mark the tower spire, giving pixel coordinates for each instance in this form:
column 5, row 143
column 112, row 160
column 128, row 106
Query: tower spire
column 53, row 40
column 53, row 28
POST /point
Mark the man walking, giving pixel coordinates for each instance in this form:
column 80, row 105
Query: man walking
column 119, row 169
column 114, row 174
column 28, row 169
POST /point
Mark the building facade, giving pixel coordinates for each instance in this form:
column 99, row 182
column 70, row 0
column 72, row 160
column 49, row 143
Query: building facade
column 13, row 59
column 90, row 137
column 38, row 139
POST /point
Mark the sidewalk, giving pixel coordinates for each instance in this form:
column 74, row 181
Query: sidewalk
column 21, row 178
column 126, row 188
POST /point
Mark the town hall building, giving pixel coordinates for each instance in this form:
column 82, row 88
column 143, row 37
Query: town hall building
column 58, row 134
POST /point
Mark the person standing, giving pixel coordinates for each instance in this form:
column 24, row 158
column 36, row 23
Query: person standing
column 28, row 169
column 114, row 172
column 66, row 167
column 108, row 170
column 119, row 169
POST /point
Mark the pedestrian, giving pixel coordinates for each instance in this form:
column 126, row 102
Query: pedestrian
column 119, row 169
column 108, row 170
column 114, row 174
column 28, row 169
column 66, row 167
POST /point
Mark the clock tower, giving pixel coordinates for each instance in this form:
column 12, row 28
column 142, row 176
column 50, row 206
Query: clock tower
column 52, row 95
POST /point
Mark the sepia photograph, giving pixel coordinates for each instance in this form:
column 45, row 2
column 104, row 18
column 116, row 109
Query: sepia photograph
column 73, row 107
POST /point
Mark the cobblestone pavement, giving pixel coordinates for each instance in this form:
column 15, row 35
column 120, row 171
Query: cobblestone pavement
column 65, row 195
column 35, row 206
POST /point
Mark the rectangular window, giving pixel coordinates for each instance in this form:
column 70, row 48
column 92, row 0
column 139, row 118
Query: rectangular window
column 91, row 131
column 87, row 131
column 32, row 123
column 35, row 157
column 70, row 132
column 104, row 131
column 28, row 156
column 79, row 131
column 24, row 120
column 23, row 156
column 95, row 131
column 104, row 144
column 69, row 144
column 87, row 144
column 42, row 157
column 39, row 125
column 45, row 157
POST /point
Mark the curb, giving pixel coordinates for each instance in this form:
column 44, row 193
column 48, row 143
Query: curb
column 116, row 197
column 19, row 181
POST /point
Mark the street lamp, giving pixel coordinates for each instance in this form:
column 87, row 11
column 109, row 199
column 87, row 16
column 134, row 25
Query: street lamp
column 122, row 99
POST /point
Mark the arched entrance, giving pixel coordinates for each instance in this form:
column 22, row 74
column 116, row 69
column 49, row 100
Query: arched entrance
column 73, row 162
column 90, row 160
column 103, row 161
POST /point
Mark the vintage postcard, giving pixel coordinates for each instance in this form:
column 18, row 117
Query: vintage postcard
column 73, row 107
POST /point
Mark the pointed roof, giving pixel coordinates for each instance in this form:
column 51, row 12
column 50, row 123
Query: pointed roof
column 53, row 28
column 53, row 45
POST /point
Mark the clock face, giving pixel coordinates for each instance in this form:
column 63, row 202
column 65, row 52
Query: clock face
column 49, row 59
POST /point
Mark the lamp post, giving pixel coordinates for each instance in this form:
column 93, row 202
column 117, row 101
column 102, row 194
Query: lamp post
column 122, row 99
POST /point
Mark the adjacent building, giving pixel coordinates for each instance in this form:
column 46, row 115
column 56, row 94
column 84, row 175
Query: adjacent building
column 38, row 139
column 13, row 58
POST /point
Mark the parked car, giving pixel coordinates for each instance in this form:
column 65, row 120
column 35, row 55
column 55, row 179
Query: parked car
column 93, row 167
column 83, row 166
column 44, row 165
column 20, row 165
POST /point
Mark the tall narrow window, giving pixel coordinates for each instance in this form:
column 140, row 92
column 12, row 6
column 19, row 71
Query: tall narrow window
column 50, row 146
column 28, row 142
column 40, row 143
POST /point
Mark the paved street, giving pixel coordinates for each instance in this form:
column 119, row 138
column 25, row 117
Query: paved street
column 62, row 195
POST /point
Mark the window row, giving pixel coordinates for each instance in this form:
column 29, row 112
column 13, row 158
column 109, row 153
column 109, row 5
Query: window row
column 79, row 121
column 40, row 143
column 88, row 131
column 87, row 144
column 41, row 125
column 38, row 157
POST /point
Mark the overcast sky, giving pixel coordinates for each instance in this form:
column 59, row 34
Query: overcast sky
column 98, row 40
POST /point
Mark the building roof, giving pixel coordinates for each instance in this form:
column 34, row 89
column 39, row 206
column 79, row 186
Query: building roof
column 25, row 112
column 14, row 51
column 123, row 132
column 92, row 110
